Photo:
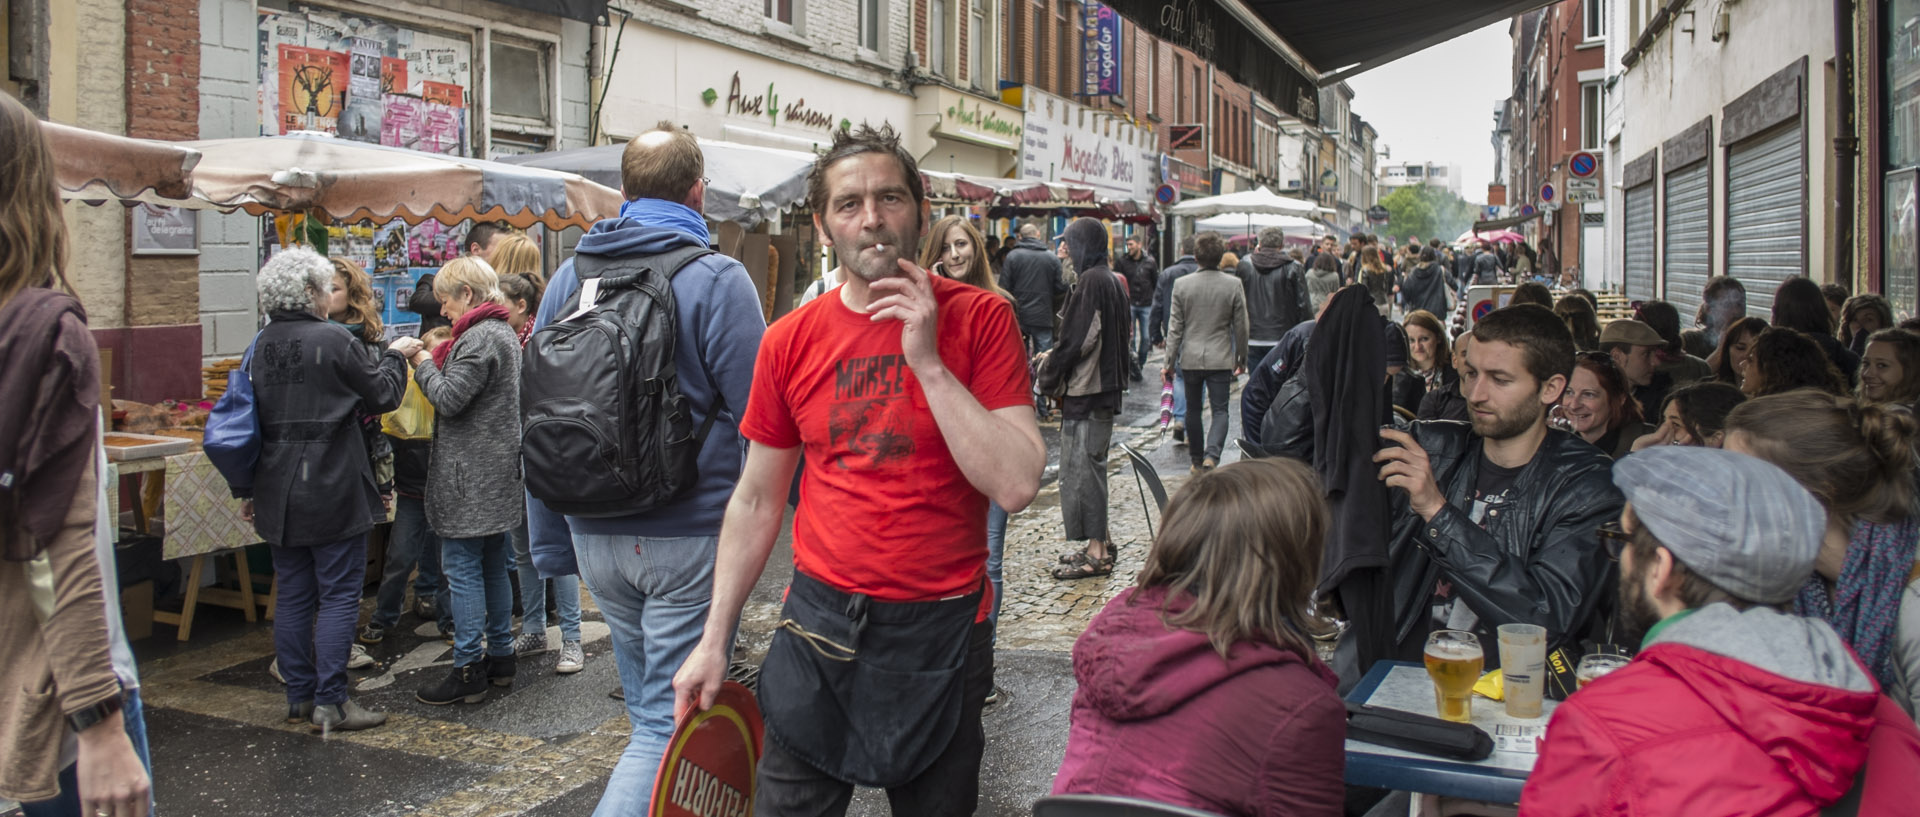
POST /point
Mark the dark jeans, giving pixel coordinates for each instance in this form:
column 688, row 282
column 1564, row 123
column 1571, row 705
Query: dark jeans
column 313, row 623
column 1142, row 345
column 1214, row 383
column 411, row 543
column 790, row 787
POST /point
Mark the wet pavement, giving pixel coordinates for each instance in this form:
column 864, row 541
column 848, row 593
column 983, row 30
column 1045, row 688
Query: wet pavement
column 546, row 746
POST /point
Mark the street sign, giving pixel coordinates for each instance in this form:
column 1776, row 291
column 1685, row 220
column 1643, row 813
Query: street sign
column 1527, row 210
column 1583, row 165
column 1184, row 137
column 1582, row 184
column 1378, row 214
column 1165, row 195
column 1546, row 192
column 1493, row 212
column 1582, row 196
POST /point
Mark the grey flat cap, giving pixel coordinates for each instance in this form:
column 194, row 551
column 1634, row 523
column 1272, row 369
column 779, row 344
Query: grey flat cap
column 1737, row 521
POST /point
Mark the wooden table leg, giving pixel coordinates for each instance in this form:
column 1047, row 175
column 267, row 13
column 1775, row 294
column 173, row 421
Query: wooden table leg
column 183, row 620
column 248, row 606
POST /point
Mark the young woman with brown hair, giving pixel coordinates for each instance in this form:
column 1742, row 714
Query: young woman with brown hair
column 1207, row 659
column 1858, row 460
column 66, row 695
column 954, row 249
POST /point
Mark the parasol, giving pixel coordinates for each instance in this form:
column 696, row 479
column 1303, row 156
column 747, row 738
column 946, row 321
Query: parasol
column 90, row 165
column 1260, row 200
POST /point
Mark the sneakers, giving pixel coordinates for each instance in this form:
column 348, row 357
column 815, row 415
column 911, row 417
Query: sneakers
column 572, row 658
column 346, row 716
column 1209, row 464
column 372, row 634
column 357, row 658
column 500, row 670
column 993, row 696
column 466, row 684
column 531, row 642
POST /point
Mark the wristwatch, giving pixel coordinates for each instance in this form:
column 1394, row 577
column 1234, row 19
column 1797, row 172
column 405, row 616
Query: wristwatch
column 85, row 719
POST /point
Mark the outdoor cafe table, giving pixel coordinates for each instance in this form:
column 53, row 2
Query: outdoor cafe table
column 1498, row 779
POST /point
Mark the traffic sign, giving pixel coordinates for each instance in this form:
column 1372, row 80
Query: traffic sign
column 1493, row 212
column 1583, row 164
column 1165, row 194
column 1527, row 210
column 1581, row 184
column 1546, row 192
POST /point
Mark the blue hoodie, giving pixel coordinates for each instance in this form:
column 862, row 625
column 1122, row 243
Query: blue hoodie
column 720, row 327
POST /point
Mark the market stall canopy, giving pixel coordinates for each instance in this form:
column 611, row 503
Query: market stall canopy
column 307, row 172
column 1247, row 223
column 1504, row 223
column 750, row 183
column 1494, row 236
column 92, row 166
column 1259, row 200
column 1346, row 38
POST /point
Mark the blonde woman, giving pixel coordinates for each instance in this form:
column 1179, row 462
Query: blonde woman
column 74, row 741
column 474, row 494
column 516, row 254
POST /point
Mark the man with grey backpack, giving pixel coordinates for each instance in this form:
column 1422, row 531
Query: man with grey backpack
column 632, row 455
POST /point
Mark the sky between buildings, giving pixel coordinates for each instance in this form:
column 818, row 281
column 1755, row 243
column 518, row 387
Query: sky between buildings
column 1437, row 105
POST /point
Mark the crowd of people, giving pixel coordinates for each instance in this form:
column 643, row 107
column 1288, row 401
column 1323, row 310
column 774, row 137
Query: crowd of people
column 1735, row 503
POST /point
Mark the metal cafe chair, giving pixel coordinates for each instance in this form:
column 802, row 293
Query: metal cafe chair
column 1146, row 479
column 1103, row 805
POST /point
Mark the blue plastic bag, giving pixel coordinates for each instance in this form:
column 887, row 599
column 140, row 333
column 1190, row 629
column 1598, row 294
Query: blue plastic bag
column 233, row 438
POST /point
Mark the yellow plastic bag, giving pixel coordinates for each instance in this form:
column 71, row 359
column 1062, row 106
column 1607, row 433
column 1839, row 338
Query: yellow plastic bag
column 413, row 420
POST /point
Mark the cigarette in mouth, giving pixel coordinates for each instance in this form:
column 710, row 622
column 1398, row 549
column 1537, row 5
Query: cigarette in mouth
column 880, row 247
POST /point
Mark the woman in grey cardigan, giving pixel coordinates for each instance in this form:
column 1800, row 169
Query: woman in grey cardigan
column 473, row 482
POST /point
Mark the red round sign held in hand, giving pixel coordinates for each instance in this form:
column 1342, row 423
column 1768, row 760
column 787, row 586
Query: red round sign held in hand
column 709, row 766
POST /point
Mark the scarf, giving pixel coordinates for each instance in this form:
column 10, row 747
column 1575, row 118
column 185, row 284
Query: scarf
column 526, row 332
column 1865, row 602
column 1270, row 258
column 486, row 311
column 668, row 215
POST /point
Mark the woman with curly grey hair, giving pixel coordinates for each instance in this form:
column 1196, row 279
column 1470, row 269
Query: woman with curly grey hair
column 313, row 497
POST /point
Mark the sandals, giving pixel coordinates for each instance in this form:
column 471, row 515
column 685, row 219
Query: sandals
column 1072, row 556
column 1082, row 566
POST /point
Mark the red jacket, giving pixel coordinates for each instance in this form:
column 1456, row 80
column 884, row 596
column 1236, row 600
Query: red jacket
column 1160, row 716
column 1684, row 731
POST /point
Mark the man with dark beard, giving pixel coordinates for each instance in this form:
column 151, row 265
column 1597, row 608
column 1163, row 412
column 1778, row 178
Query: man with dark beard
column 1733, row 705
column 910, row 395
column 1498, row 518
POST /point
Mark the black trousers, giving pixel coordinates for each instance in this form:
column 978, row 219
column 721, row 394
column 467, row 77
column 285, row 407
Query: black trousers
column 790, row 787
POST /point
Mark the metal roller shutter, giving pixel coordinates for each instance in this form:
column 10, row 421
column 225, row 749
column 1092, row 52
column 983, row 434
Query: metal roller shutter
column 1639, row 243
column 1766, row 213
column 1689, row 234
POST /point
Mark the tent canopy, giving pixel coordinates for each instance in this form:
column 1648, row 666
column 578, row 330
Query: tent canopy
column 750, row 183
column 1260, row 200
column 1244, row 223
column 90, row 165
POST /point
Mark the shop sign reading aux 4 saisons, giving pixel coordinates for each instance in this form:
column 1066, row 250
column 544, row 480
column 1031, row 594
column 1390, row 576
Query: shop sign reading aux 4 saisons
column 1066, row 143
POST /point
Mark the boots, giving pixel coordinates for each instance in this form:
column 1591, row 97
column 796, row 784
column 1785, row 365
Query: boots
column 466, row 684
column 500, row 669
column 345, row 716
column 300, row 712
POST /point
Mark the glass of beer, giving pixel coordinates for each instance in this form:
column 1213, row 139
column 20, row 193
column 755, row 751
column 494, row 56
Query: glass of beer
column 1595, row 665
column 1454, row 660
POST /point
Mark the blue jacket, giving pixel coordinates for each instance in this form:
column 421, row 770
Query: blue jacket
column 720, row 327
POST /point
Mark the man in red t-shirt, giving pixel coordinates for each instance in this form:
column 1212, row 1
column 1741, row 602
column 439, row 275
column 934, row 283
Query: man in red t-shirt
column 909, row 395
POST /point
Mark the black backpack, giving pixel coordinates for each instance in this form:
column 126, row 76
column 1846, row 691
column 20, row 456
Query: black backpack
column 604, row 429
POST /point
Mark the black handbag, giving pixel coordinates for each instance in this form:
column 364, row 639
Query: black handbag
column 1425, row 734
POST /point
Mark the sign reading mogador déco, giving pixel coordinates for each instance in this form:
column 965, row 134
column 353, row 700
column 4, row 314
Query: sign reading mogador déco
column 767, row 104
column 1100, row 69
column 1069, row 144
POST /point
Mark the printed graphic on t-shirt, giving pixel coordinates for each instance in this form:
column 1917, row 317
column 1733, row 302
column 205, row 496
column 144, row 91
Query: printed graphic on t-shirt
column 871, row 415
column 1484, row 503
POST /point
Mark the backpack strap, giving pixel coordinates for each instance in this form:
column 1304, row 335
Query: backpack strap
column 617, row 271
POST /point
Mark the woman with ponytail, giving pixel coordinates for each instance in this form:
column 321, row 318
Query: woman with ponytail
column 1858, row 460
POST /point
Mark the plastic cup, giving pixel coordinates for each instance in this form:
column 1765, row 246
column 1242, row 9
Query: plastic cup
column 1523, row 665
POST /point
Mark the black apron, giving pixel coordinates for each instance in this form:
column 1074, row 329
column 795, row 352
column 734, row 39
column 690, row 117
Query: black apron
column 867, row 691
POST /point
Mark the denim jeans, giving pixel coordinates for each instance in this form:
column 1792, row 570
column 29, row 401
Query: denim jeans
column 482, row 598
column 790, row 787
column 654, row 593
column 533, row 594
column 411, row 542
column 1215, row 383
column 996, row 548
column 67, row 803
column 1140, row 316
column 318, row 605
column 1180, row 396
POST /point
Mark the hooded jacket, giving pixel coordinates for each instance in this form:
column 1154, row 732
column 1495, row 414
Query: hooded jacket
column 1089, row 359
column 1425, row 287
column 1276, row 294
column 1728, row 713
column 1032, row 276
column 1321, row 284
column 1159, row 715
column 720, row 325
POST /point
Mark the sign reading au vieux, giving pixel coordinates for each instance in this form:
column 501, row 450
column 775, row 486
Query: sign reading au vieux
column 757, row 102
column 1111, row 156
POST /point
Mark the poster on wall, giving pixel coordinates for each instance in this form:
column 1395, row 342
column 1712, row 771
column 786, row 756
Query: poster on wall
column 313, row 85
column 161, row 230
column 360, row 120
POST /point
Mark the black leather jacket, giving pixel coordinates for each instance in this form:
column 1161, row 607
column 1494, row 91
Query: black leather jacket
column 1539, row 560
